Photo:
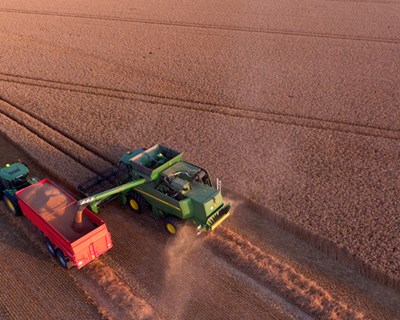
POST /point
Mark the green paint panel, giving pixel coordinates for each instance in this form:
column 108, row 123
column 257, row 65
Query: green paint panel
column 13, row 171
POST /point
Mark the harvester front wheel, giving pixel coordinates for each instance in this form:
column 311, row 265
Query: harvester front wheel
column 136, row 202
column 14, row 209
column 171, row 225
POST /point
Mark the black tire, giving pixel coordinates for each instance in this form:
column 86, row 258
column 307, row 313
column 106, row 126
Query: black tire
column 12, row 205
column 136, row 202
column 171, row 225
column 62, row 260
column 50, row 246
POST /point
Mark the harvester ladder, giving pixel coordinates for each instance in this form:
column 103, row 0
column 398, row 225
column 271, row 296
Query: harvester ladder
column 219, row 184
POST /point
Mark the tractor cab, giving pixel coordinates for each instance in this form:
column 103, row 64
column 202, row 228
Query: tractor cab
column 14, row 177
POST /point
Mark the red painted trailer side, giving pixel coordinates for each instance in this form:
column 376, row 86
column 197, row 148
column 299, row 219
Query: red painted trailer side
column 52, row 210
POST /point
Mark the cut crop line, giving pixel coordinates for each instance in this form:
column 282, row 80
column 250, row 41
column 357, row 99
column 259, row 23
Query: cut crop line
column 57, row 146
column 203, row 26
column 195, row 105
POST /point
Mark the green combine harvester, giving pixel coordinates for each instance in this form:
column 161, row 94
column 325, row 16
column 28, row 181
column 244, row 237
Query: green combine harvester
column 14, row 177
column 158, row 178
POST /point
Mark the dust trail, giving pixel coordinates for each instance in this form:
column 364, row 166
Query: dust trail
column 234, row 200
column 179, row 285
column 302, row 291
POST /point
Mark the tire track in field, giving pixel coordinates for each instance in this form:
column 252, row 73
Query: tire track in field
column 204, row 26
column 203, row 106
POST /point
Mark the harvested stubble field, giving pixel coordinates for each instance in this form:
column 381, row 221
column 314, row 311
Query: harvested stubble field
column 294, row 105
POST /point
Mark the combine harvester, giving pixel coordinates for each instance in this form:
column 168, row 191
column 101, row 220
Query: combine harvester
column 158, row 178
column 52, row 211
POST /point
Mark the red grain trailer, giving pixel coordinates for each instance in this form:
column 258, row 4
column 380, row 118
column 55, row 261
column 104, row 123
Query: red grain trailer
column 52, row 211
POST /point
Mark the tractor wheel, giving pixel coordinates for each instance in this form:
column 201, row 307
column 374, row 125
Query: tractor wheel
column 136, row 202
column 62, row 259
column 171, row 225
column 50, row 246
column 14, row 208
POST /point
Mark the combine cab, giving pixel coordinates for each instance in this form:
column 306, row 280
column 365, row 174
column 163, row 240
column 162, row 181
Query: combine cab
column 158, row 178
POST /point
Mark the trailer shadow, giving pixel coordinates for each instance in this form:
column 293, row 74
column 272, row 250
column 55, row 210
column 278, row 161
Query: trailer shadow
column 16, row 233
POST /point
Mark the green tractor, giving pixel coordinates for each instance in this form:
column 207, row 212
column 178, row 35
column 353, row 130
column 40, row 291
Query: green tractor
column 159, row 179
column 14, row 177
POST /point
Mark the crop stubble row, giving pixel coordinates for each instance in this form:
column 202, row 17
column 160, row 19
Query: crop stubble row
column 332, row 307
column 317, row 165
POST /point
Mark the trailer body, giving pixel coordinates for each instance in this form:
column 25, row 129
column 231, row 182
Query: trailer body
column 52, row 210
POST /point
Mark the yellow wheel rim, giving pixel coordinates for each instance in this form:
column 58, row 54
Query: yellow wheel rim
column 171, row 229
column 134, row 205
column 10, row 205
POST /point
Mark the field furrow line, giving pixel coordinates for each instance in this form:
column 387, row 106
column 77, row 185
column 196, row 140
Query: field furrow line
column 181, row 24
column 209, row 107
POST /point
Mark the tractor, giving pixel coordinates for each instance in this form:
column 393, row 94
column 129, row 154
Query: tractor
column 14, row 177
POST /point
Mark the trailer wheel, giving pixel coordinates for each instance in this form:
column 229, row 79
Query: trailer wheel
column 171, row 225
column 50, row 246
column 136, row 202
column 62, row 259
column 14, row 208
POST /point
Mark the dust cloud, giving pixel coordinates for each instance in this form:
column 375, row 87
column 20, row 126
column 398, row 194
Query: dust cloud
column 235, row 202
column 180, row 274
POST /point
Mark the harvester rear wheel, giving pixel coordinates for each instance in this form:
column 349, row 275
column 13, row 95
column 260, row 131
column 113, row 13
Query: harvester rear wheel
column 136, row 202
column 171, row 225
column 14, row 208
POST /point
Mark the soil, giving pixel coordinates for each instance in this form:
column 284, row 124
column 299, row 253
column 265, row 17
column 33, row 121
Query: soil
column 293, row 105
